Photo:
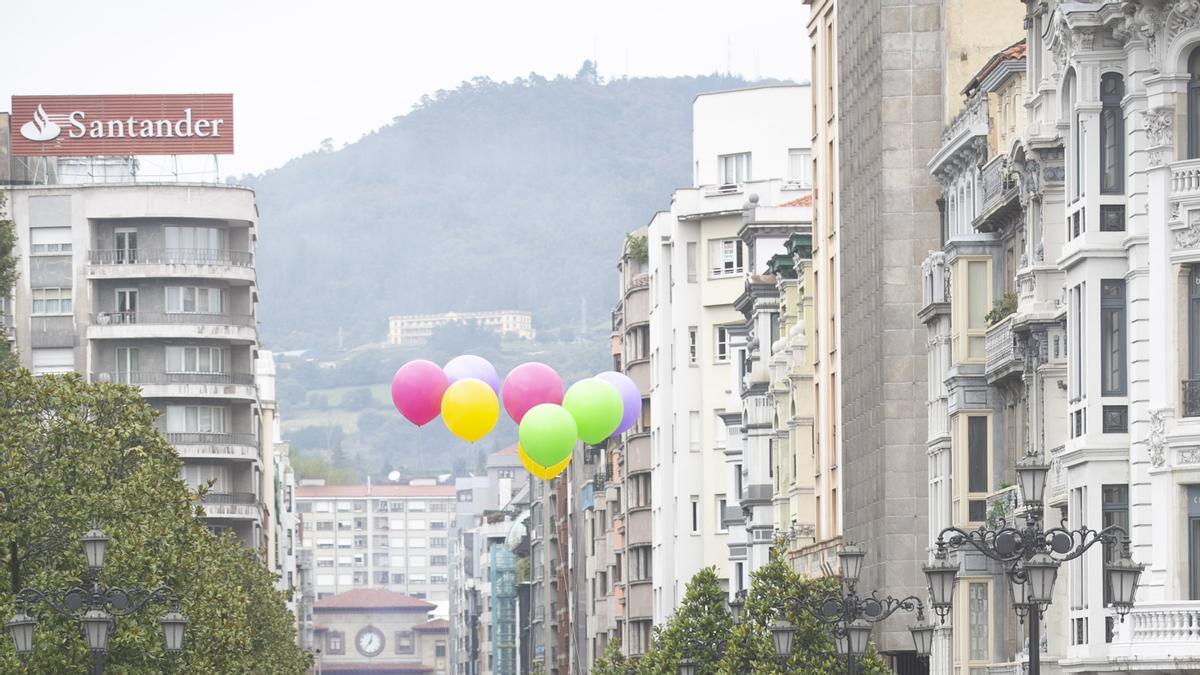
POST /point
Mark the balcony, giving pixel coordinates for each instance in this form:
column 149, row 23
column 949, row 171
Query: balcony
column 1003, row 357
column 1185, row 178
column 935, row 285
column 232, row 505
column 146, row 263
column 1191, row 398
column 1056, row 480
column 999, row 195
column 638, row 527
column 637, row 453
column 186, row 385
column 640, row 604
column 638, row 370
column 238, row 447
column 179, row 325
column 1166, row 633
column 938, row 418
column 1003, row 506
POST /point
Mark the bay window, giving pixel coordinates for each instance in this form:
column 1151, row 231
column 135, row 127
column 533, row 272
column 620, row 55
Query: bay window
column 1112, row 134
column 1112, row 337
column 973, row 281
column 197, row 360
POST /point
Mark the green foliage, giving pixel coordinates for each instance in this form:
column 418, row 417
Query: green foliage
column 638, row 249
column 1005, row 306
column 316, row 467
column 494, row 195
column 70, row 452
column 612, row 662
column 696, row 630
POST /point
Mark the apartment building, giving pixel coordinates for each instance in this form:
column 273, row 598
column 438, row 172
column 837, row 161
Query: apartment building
column 746, row 142
column 393, row 537
column 371, row 630
column 894, row 63
column 415, row 329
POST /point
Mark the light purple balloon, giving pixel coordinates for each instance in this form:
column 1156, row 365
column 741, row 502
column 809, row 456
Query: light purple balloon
column 630, row 397
column 469, row 366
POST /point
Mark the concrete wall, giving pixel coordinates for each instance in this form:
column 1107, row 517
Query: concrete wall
column 780, row 121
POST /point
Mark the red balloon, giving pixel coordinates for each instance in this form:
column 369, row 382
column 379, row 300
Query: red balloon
column 417, row 390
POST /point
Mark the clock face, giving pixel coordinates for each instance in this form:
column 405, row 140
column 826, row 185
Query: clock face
column 370, row 641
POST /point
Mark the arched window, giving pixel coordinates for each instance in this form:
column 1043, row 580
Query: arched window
column 1194, row 104
column 1112, row 134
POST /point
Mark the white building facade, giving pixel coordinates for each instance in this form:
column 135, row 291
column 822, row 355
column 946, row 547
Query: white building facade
column 752, row 141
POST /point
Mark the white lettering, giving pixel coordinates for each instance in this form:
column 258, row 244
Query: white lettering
column 184, row 126
column 217, row 127
column 76, row 120
column 147, row 129
column 202, row 128
column 164, row 129
column 116, row 129
column 97, row 129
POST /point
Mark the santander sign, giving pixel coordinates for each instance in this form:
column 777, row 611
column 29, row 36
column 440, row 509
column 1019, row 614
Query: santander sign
column 172, row 124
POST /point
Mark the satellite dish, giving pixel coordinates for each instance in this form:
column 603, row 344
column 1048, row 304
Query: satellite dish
column 394, row 476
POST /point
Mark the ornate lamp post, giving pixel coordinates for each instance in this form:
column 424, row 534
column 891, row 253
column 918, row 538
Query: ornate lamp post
column 1032, row 556
column 850, row 615
column 95, row 607
column 687, row 666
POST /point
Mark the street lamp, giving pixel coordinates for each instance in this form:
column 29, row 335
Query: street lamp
column 95, row 607
column 850, row 615
column 687, row 666
column 1032, row 555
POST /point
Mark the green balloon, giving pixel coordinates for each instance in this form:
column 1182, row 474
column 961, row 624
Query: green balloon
column 597, row 408
column 548, row 434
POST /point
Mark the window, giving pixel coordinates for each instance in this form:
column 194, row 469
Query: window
column 191, row 241
column 438, row 579
column 1112, row 134
column 397, row 578
column 51, row 302
column 1115, row 506
column 692, row 263
column 721, row 513
column 639, row 490
column 47, row 360
column 972, row 278
column 800, row 166
column 695, row 514
column 197, row 419
column 721, row 345
column 734, row 169
column 724, row 257
column 126, row 246
column 439, row 561
column 641, row 560
column 978, row 618
column 381, row 578
column 977, row 467
column 189, row 299
column 196, row 359
column 335, row 642
column 1193, row 112
column 691, row 345
column 439, row 648
column 1112, row 337
column 438, row 542
column 49, row 241
column 404, row 642
column 325, row 525
column 737, row 481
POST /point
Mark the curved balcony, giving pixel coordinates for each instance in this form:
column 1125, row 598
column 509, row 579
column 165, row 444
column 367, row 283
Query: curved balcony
column 637, row 453
column 638, row 370
column 638, row 526
column 237, row 447
column 182, row 325
column 232, row 506
column 146, row 263
column 186, row 385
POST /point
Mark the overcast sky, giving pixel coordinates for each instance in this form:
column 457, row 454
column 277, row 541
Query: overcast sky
column 304, row 71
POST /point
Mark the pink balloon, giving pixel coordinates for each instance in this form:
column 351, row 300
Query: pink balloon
column 417, row 390
column 528, row 385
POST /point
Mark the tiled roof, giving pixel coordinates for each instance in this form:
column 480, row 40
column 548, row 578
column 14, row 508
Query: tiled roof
column 372, row 598
column 1014, row 52
column 435, row 624
column 376, row 491
column 806, row 200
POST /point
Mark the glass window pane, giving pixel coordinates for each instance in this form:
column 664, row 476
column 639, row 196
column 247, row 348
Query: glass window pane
column 977, row 454
column 978, row 609
column 978, row 294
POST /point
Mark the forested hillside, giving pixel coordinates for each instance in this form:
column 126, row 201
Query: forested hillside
column 493, row 195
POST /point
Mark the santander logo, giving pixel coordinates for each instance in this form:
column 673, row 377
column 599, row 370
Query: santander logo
column 40, row 128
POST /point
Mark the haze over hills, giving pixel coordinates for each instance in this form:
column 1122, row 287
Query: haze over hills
column 494, row 195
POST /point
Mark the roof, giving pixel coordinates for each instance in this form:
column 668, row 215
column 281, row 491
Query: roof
column 806, row 200
column 303, row 491
column 435, row 624
column 1013, row 52
column 510, row 450
column 375, row 667
column 372, row 598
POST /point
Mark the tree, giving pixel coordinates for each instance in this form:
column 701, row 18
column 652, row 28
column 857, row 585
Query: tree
column 773, row 589
column 696, row 631
column 72, row 451
column 8, row 277
column 612, row 662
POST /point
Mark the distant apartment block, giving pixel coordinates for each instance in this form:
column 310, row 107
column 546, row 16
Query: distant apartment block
column 394, row 537
column 415, row 329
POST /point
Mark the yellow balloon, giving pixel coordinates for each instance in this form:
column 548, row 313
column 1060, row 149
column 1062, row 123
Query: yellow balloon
column 470, row 409
column 545, row 473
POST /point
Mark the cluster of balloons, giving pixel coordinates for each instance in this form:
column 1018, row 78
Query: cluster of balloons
column 467, row 393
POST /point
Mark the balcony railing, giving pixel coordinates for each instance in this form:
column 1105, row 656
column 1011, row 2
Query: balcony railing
column 1191, row 398
column 197, row 438
column 999, row 184
column 175, row 378
column 1001, row 346
column 170, row 256
column 1056, row 480
column 239, row 498
column 1166, row 622
column 934, row 288
column 173, row 318
column 1185, row 177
